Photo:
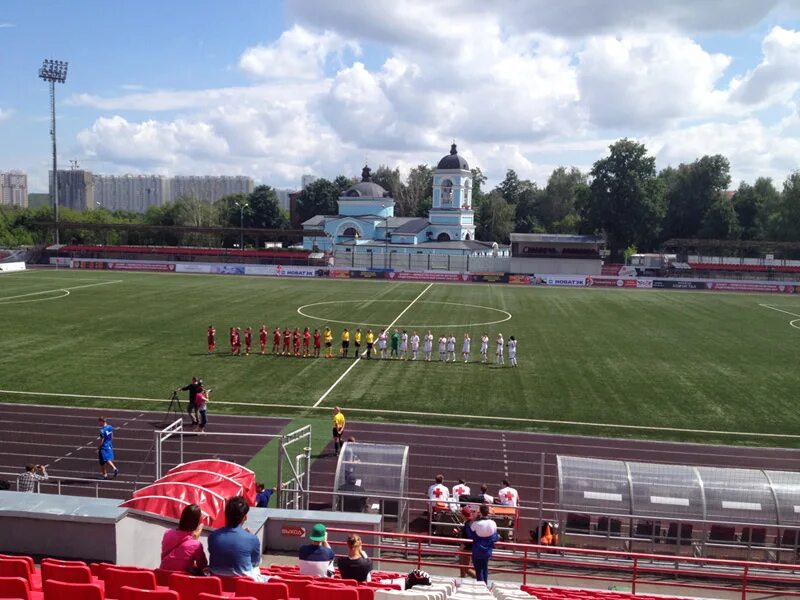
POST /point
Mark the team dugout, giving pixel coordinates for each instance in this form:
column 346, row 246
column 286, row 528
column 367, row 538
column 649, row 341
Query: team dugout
column 543, row 253
column 705, row 511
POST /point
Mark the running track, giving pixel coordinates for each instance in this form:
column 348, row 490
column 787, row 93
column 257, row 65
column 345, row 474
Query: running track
column 64, row 438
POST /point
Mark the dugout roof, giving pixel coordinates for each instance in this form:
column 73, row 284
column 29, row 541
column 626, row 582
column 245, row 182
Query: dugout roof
column 646, row 490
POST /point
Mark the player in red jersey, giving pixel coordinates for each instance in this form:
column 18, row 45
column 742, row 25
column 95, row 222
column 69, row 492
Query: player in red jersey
column 233, row 340
column 237, row 341
column 287, row 342
column 306, row 342
column 316, row 343
column 262, row 338
column 248, row 340
column 212, row 340
column 296, row 340
column 276, row 341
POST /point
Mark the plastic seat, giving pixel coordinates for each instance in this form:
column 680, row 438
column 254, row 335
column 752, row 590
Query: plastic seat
column 206, row 596
column 17, row 567
column 190, row 587
column 331, row 592
column 55, row 570
column 162, row 576
column 129, row 593
column 64, row 590
column 17, row 587
column 276, row 590
column 116, row 579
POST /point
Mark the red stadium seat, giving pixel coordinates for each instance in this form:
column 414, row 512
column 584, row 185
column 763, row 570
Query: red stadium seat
column 272, row 590
column 17, row 587
column 331, row 592
column 205, row 596
column 16, row 567
column 64, row 590
column 189, row 586
column 55, row 570
column 115, row 579
column 129, row 593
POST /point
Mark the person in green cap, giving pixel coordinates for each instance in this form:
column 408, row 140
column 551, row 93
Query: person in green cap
column 394, row 354
column 316, row 558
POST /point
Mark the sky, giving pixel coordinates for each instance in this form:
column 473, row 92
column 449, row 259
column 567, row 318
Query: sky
column 277, row 89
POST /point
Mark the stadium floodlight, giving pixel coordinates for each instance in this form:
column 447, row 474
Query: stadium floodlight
column 242, row 206
column 54, row 71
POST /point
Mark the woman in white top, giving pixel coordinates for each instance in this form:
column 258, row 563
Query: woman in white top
column 512, row 351
column 428, row 345
column 442, row 347
column 414, row 346
column 465, row 347
column 403, row 345
column 451, row 348
column 499, row 354
column 382, row 343
column 484, row 347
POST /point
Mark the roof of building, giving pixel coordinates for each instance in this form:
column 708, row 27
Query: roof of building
column 315, row 221
column 453, row 161
column 556, row 238
column 473, row 245
column 412, row 225
column 366, row 188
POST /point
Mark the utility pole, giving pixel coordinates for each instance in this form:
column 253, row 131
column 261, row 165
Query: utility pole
column 54, row 71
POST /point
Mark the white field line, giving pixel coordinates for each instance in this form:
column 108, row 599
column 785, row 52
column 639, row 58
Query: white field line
column 64, row 289
column 380, row 411
column 358, row 359
column 786, row 312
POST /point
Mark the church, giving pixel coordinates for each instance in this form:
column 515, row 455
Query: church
column 366, row 222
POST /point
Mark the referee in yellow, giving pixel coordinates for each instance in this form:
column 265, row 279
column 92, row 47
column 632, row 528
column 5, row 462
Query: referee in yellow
column 345, row 342
column 338, row 429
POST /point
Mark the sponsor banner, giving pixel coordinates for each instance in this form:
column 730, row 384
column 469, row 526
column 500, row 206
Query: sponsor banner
column 738, row 286
column 12, row 267
column 192, row 268
column 282, row 271
column 678, row 284
column 368, row 274
column 615, row 282
column 645, row 284
column 339, row 274
column 293, row 531
column 489, row 277
column 61, row 261
column 564, row 281
column 429, row 276
column 128, row 266
column 88, row 264
column 227, row 269
column 520, row 279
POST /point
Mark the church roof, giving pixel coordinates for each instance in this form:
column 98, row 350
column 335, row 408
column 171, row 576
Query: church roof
column 366, row 188
column 453, row 161
column 413, row 225
column 314, row 221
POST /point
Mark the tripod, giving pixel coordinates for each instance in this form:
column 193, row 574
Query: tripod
column 174, row 410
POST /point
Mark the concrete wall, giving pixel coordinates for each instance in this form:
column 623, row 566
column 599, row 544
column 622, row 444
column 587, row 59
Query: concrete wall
column 564, row 266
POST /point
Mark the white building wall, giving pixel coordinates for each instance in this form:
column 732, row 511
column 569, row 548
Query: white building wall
column 14, row 189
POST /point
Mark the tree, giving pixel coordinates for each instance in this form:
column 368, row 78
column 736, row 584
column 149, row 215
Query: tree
column 692, row 190
column 625, row 199
column 478, row 181
column 495, row 219
column 416, row 196
column 388, row 179
column 752, row 203
column 264, row 210
column 720, row 222
column 512, row 186
column 320, row 198
column 526, row 214
column 556, row 206
column 784, row 224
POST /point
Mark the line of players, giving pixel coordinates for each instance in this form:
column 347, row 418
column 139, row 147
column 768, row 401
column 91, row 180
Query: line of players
column 400, row 345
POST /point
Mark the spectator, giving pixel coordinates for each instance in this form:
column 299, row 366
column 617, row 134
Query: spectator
column 487, row 499
column 181, row 549
column 201, row 403
column 263, row 495
column 193, row 388
column 466, row 546
column 234, row 551
column 29, row 480
column 316, row 558
column 438, row 491
column 356, row 565
column 483, row 533
column 507, row 496
column 353, row 496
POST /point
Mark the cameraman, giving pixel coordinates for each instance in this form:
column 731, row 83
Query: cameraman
column 193, row 388
column 29, row 480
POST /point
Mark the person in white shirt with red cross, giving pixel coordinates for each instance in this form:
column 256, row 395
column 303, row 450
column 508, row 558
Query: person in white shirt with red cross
column 507, row 496
column 459, row 489
column 438, row 492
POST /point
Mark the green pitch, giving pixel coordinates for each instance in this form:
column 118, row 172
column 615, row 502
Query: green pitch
column 655, row 358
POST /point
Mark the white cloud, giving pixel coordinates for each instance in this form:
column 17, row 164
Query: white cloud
column 777, row 77
column 297, row 54
column 5, row 113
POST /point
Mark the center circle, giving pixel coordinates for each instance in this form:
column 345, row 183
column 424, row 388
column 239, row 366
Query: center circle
column 303, row 311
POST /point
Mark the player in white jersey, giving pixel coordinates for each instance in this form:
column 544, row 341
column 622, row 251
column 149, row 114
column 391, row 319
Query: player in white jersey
column 404, row 345
column 512, row 351
column 414, row 346
column 428, row 348
column 465, row 347
column 498, row 357
column 382, row 343
column 451, row 348
column 442, row 348
column 484, row 347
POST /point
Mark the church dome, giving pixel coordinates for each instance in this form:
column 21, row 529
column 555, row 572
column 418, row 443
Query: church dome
column 453, row 161
column 366, row 188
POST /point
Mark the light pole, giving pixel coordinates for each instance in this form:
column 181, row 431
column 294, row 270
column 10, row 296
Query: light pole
column 54, row 71
column 242, row 206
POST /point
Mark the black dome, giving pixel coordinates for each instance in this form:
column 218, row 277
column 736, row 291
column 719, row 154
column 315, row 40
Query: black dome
column 453, row 161
column 366, row 188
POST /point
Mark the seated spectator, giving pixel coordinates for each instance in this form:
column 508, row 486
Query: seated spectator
column 438, row 491
column 355, row 496
column 459, row 489
column 356, row 565
column 263, row 495
column 316, row 558
column 234, row 551
column 486, row 497
column 181, row 549
column 507, row 496
column 29, row 480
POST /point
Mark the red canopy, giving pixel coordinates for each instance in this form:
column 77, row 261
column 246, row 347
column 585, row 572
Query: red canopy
column 220, row 484
column 164, row 506
column 238, row 473
column 210, row 503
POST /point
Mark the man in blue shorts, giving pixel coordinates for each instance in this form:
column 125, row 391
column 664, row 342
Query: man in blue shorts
column 105, row 448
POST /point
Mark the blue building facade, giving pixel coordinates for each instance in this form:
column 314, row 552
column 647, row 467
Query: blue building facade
column 366, row 221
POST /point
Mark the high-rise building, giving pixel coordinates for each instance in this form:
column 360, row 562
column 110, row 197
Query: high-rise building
column 75, row 189
column 135, row 193
column 307, row 180
column 283, row 198
column 14, row 189
column 209, row 187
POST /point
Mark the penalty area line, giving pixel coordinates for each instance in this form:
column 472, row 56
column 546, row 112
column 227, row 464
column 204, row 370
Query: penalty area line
column 358, row 359
column 415, row 413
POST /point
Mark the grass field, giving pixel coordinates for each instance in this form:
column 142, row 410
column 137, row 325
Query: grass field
column 654, row 358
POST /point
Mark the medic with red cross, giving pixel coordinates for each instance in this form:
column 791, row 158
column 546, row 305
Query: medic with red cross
column 507, row 496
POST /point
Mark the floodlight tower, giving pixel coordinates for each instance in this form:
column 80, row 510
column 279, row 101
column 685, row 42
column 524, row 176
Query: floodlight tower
column 54, row 71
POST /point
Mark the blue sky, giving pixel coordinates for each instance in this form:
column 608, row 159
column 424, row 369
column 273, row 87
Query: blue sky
column 278, row 89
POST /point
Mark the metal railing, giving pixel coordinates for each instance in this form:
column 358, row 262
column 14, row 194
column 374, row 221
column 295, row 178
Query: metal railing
column 61, row 485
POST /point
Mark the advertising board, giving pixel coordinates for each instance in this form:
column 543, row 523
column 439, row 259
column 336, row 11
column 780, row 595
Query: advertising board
column 192, row 268
column 519, row 279
column 489, row 277
column 562, row 280
column 428, row 276
column 678, row 284
column 282, row 271
column 339, row 274
column 367, row 274
column 613, row 282
column 741, row 286
column 12, row 267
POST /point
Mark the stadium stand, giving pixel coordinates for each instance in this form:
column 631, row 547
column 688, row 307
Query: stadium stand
column 134, row 252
